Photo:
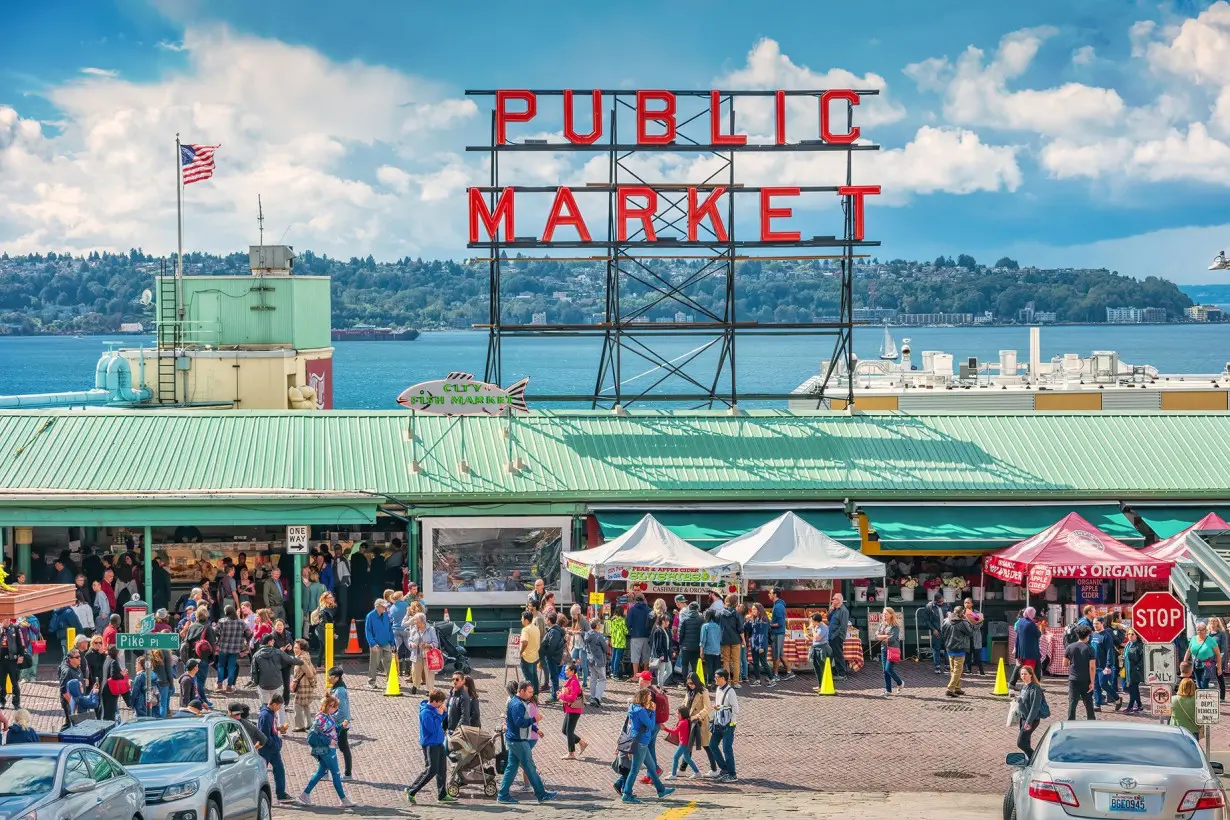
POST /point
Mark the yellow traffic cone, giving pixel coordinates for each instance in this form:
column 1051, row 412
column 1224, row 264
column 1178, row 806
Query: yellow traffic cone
column 700, row 671
column 393, row 688
column 1001, row 680
column 469, row 616
column 827, row 688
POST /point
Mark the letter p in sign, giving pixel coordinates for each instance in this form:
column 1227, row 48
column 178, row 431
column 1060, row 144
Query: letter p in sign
column 1158, row 617
column 297, row 537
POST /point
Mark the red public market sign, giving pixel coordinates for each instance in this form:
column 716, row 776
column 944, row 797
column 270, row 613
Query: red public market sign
column 1158, row 617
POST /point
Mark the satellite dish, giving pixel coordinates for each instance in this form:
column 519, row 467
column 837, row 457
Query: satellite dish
column 146, row 297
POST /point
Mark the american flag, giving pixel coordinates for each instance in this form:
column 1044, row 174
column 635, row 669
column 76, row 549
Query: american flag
column 197, row 162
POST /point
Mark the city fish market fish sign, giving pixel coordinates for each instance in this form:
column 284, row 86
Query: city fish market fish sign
column 460, row 394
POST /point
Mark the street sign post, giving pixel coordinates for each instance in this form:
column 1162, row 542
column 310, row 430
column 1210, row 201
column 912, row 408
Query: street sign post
column 1158, row 617
column 1208, row 707
column 1159, row 701
column 1159, row 664
column 147, row 641
column 297, row 537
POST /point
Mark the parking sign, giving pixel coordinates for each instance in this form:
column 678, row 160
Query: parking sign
column 1159, row 701
column 1208, row 707
column 297, row 537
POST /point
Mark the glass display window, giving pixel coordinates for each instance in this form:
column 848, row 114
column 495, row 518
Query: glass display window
column 490, row 561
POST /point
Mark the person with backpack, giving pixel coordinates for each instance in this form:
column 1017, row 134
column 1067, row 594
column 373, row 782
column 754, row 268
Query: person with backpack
column 760, row 627
column 637, row 738
column 958, row 638
column 303, row 685
column 1028, row 643
column 574, row 706
column 552, row 651
column 662, row 715
column 1031, row 708
column 271, row 752
column 322, row 741
column 337, row 687
column 731, row 625
column 435, row 757
column 722, row 722
column 519, row 728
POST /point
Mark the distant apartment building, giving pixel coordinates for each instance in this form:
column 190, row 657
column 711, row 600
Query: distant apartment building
column 538, row 318
column 1204, row 313
column 132, row 327
column 875, row 315
column 1135, row 316
column 935, row 319
column 987, row 317
column 1030, row 315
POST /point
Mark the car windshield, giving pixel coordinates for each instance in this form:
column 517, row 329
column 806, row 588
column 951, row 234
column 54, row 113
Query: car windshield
column 1116, row 747
column 20, row 776
column 156, row 744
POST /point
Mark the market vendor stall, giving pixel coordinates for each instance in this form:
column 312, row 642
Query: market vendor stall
column 1175, row 547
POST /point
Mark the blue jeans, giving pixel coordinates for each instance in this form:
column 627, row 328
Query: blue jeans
column 760, row 663
column 228, row 668
column 553, row 676
column 937, row 651
column 529, row 673
column 641, row 758
column 1199, row 674
column 652, row 754
column 164, row 700
column 722, row 747
column 581, row 658
column 617, row 660
column 683, row 753
column 202, row 672
column 1104, row 687
column 326, row 764
column 521, row 756
column 274, row 759
column 890, row 672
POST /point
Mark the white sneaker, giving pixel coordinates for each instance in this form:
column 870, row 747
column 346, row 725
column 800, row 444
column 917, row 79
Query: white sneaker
column 668, row 777
column 694, row 775
column 709, row 775
column 305, row 799
column 347, row 803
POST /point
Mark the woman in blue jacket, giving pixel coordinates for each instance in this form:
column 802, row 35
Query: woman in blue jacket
column 641, row 722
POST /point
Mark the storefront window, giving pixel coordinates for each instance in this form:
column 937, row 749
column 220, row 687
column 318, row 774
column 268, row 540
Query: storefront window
column 493, row 560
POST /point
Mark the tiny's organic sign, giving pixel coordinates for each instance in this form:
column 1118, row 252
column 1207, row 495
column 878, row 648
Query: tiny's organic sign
column 460, row 394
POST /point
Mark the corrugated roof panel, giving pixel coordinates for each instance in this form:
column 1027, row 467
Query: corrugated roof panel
column 587, row 456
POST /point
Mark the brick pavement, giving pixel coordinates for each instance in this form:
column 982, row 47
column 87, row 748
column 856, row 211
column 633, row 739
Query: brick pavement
column 788, row 738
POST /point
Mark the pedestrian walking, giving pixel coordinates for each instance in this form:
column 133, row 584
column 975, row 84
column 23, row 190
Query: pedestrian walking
column 1028, row 648
column 711, row 644
column 158, row 665
column 271, row 752
column 820, row 650
column 640, row 625
column 642, row 725
column 339, row 690
column 431, row 738
column 761, row 627
column 617, row 628
column 731, row 624
column 777, row 635
column 519, row 726
column 553, row 645
column 660, row 649
column 574, row 706
column 1103, row 643
column 13, row 651
column 233, row 636
column 975, row 619
column 116, row 685
column 690, row 625
column 696, row 699
column 1217, row 629
column 462, row 705
column 958, row 637
column 722, row 728
column 189, row 683
column 30, row 632
column 839, row 625
column 322, row 741
column 1031, row 709
column 1081, row 669
column 420, row 637
column 269, row 664
column 933, row 619
column 1133, row 671
column 1205, row 654
column 326, row 613
column 303, row 686
column 597, row 653
column 681, row 736
column 890, row 649
column 378, row 629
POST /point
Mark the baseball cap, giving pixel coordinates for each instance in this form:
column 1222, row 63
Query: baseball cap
column 681, row 598
column 645, row 676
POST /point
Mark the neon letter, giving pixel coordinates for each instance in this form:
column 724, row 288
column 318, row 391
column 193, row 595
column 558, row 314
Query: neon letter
column 490, row 219
column 780, row 111
column 645, row 214
column 858, row 192
column 503, row 116
column 769, row 213
column 716, row 137
column 707, row 208
column 664, row 115
column 570, row 133
column 565, row 200
column 825, row 133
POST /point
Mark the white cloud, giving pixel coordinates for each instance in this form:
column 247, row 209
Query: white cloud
column 294, row 126
column 99, row 72
column 1085, row 55
column 977, row 94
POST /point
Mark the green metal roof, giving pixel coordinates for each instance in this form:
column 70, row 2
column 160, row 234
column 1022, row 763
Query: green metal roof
column 52, row 456
column 941, row 527
column 1168, row 521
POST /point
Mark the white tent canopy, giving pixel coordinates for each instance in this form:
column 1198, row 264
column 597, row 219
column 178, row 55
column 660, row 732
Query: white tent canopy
column 789, row 548
column 652, row 546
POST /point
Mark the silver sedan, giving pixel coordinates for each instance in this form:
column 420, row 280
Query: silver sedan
column 1114, row 770
column 40, row 780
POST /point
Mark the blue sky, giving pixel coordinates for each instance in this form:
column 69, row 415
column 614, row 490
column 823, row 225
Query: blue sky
column 1092, row 133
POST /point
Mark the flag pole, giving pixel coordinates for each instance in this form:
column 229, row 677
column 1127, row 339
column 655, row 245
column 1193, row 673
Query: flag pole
column 179, row 225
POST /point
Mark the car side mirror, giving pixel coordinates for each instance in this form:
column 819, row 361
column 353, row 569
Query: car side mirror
column 227, row 757
column 1017, row 759
column 81, row 787
column 1218, row 769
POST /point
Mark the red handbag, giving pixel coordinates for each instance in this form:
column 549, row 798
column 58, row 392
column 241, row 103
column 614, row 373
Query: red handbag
column 119, row 686
column 894, row 654
column 435, row 659
column 38, row 647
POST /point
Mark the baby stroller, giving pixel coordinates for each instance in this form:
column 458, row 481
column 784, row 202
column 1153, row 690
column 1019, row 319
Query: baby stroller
column 454, row 653
column 479, row 758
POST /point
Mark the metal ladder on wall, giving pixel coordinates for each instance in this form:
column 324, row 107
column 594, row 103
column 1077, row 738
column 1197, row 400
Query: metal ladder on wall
column 168, row 337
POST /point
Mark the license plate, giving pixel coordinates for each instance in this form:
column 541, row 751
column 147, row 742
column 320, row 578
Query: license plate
column 1129, row 803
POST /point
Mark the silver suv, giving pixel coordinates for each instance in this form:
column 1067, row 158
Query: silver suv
column 194, row 768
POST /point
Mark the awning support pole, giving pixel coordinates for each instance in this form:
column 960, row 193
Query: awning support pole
column 147, row 553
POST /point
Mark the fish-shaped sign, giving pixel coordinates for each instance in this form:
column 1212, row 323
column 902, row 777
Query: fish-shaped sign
column 460, row 394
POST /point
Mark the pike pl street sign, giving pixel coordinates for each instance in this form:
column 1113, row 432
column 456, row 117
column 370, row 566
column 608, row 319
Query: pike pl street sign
column 147, row 641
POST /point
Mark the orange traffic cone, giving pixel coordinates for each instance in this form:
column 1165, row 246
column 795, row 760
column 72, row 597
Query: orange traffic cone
column 352, row 646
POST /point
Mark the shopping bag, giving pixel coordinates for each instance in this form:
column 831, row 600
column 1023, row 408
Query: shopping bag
column 435, row 660
column 894, row 654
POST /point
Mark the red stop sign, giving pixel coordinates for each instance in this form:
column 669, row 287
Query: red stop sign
column 1158, row 617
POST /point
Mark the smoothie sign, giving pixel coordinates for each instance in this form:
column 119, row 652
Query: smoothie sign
column 460, row 394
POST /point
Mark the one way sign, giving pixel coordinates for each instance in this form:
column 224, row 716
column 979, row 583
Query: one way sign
column 1159, row 664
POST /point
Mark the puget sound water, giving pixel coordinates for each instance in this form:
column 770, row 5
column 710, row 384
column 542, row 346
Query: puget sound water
column 369, row 375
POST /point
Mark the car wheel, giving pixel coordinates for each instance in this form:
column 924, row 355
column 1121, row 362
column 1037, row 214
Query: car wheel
column 264, row 810
column 213, row 811
column 1009, row 806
